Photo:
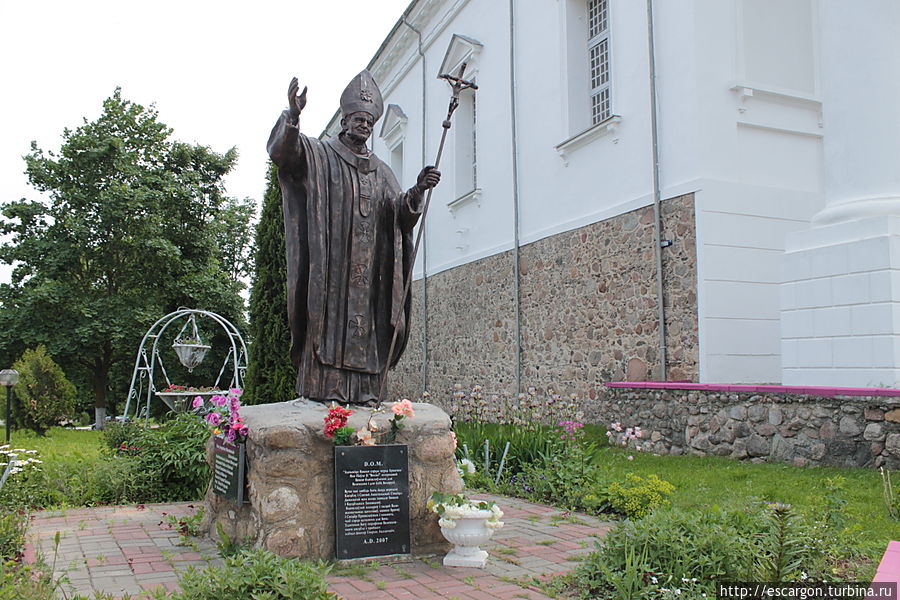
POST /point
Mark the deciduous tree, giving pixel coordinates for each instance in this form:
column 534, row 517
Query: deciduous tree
column 127, row 230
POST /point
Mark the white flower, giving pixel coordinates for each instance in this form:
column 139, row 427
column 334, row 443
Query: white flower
column 493, row 524
column 31, row 452
column 467, row 465
column 447, row 523
column 653, row 579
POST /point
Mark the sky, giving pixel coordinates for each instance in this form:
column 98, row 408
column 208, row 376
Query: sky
column 217, row 71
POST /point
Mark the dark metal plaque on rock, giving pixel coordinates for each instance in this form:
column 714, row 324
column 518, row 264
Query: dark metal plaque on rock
column 371, row 497
column 229, row 470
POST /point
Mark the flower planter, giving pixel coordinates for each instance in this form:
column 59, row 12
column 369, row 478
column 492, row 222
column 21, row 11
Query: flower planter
column 181, row 401
column 191, row 355
column 469, row 532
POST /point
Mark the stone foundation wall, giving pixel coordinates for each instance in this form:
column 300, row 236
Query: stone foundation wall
column 588, row 312
column 858, row 431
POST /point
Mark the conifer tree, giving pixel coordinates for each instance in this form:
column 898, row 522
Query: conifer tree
column 270, row 373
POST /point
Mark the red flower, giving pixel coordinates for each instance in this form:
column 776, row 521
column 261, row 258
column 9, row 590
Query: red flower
column 335, row 419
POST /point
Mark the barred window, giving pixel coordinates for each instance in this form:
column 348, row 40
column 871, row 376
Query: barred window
column 598, row 51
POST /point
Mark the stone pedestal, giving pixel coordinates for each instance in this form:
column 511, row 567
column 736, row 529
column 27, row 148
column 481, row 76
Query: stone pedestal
column 291, row 479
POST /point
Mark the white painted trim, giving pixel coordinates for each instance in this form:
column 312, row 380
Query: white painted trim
column 474, row 195
column 588, row 135
column 747, row 89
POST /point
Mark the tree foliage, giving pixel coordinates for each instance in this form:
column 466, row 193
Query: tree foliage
column 44, row 396
column 270, row 374
column 130, row 226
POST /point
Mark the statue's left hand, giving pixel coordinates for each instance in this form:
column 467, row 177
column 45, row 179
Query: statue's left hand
column 428, row 178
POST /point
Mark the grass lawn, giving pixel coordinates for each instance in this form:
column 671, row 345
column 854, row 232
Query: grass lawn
column 60, row 443
column 713, row 480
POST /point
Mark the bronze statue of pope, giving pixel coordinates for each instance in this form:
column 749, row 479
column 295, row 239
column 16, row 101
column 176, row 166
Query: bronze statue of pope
column 348, row 236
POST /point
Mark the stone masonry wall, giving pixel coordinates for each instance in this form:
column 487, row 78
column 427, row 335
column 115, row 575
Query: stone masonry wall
column 588, row 311
column 858, row 431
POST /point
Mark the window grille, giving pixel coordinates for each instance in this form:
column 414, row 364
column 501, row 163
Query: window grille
column 598, row 50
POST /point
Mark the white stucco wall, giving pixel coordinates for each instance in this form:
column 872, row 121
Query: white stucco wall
column 739, row 125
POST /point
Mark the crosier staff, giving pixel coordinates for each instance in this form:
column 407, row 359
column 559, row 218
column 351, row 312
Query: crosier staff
column 458, row 84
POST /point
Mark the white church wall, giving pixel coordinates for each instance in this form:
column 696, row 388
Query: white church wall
column 733, row 128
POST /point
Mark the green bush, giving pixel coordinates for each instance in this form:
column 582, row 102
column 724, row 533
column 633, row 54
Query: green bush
column 118, row 433
column 637, row 496
column 693, row 549
column 173, row 458
column 13, row 525
column 44, row 396
column 255, row 574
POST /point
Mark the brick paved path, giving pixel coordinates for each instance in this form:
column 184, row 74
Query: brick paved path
column 130, row 549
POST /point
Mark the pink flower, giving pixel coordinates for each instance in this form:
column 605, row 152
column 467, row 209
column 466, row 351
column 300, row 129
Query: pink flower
column 218, row 400
column 403, row 408
column 235, row 391
column 198, row 402
column 244, row 430
column 365, row 437
column 213, row 418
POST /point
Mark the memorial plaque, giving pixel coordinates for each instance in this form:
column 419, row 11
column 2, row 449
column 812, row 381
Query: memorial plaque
column 371, row 496
column 229, row 472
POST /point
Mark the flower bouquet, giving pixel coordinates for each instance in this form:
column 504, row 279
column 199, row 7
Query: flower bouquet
column 342, row 434
column 224, row 416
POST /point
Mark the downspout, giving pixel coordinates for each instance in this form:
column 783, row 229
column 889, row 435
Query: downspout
column 424, row 233
column 515, row 193
column 657, row 209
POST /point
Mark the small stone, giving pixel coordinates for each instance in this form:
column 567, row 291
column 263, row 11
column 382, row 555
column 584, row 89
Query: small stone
column 893, row 416
column 279, row 503
column 827, row 430
column 739, row 449
column 766, row 429
column 892, row 443
column 817, row 451
column 874, row 414
column 738, row 413
column 775, row 416
column 850, row 426
column 758, row 445
column 757, row 412
column 873, row 432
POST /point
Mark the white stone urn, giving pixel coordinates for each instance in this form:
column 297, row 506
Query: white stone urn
column 467, row 530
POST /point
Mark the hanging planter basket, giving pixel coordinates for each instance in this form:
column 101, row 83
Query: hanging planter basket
column 191, row 355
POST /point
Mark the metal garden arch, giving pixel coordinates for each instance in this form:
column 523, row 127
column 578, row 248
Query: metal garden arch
column 149, row 363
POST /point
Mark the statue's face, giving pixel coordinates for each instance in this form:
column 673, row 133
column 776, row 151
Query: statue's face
column 358, row 126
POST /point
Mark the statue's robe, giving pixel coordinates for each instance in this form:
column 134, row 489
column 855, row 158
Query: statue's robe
column 348, row 239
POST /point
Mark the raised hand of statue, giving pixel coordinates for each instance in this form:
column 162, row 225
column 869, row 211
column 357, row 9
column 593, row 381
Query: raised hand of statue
column 428, row 178
column 295, row 102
